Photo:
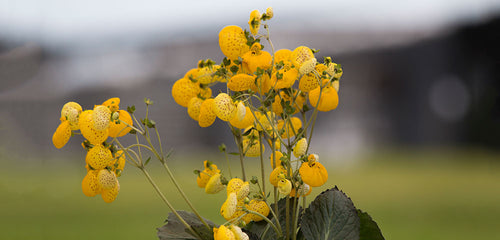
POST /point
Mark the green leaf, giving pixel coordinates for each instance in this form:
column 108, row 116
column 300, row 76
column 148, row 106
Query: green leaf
column 331, row 216
column 131, row 109
column 174, row 229
column 147, row 161
column 369, row 229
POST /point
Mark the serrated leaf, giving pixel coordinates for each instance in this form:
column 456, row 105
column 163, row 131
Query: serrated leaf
column 369, row 229
column 175, row 230
column 331, row 216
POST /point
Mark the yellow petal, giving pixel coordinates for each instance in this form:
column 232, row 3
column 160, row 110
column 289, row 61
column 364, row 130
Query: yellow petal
column 62, row 134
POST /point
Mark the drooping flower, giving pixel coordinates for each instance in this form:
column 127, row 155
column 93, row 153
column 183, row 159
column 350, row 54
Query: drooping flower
column 312, row 172
column 210, row 170
column 214, row 184
column 109, row 195
column 88, row 131
column 71, row 111
column 229, row 206
column 194, row 107
column 207, row 115
column 246, row 122
column 120, row 129
column 254, row 22
column 257, row 206
column 276, row 159
column 62, row 134
column 276, row 174
column 239, row 187
column 256, row 58
column 99, row 157
column 223, row 233
column 329, row 98
column 183, row 90
column 113, row 104
column 300, row 147
column 101, row 116
column 241, row 82
column 232, row 42
column 302, row 191
column 308, row 66
column 300, row 55
column 90, row 187
column 106, row 179
column 284, row 186
column 224, row 107
column 289, row 130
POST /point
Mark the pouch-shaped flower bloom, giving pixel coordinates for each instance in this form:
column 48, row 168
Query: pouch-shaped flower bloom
column 252, row 148
column 207, row 115
column 224, row 107
column 119, row 163
column 183, row 90
column 241, row 82
column 262, row 84
column 106, row 179
column 274, row 177
column 113, row 104
column 194, row 107
column 300, row 55
column 232, row 42
column 258, row 206
column 210, row 170
column 223, row 233
column 229, row 206
column 313, row 173
column 247, row 121
column 241, row 111
column 311, row 81
column 88, row 131
column 101, row 116
column 71, row 111
column 90, row 187
column 120, row 129
column 110, row 195
column 300, row 147
column 284, row 186
column 239, row 187
column 276, row 159
column 329, row 98
column 256, row 58
column 62, row 134
column 284, row 78
column 282, row 55
column 308, row 66
column 214, row 184
column 254, row 22
column 289, row 130
column 238, row 233
column 99, row 157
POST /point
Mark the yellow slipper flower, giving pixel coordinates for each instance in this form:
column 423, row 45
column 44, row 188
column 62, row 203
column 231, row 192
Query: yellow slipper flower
column 247, row 121
column 223, row 233
column 313, row 173
column 62, row 134
column 207, row 115
column 183, row 90
column 210, row 170
column 99, row 157
column 232, row 42
column 300, row 55
column 214, row 184
column 89, row 184
column 194, row 107
column 120, row 129
column 289, row 130
column 256, row 58
column 106, row 179
column 110, row 195
column 276, row 159
column 300, row 148
column 113, row 104
column 254, row 22
column 284, row 186
column 229, row 206
column 302, row 191
column 224, row 107
column 274, row 177
column 71, row 111
column 329, row 98
column 241, row 82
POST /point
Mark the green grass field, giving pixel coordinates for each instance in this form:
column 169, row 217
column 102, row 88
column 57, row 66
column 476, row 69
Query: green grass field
column 411, row 194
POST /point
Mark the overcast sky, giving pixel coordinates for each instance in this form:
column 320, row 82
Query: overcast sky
column 70, row 20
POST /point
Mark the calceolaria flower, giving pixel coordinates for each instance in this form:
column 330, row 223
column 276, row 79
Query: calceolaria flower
column 313, row 172
column 284, row 186
column 205, row 175
column 254, row 22
column 300, row 148
column 214, row 184
column 233, row 42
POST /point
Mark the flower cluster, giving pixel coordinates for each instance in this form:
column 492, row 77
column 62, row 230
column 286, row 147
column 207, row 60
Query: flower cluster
column 104, row 163
column 269, row 98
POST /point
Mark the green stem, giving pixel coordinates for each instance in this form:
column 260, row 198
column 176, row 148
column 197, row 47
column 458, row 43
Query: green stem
column 262, row 165
column 277, row 230
column 237, row 139
column 162, row 196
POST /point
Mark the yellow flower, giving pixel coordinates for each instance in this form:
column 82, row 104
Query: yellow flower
column 239, row 187
column 62, row 134
column 214, row 184
column 284, row 186
column 264, row 120
column 257, row 206
column 99, row 157
column 270, row 12
column 336, row 73
column 101, row 117
column 113, row 104
column 207, row 115
column 191, row 74
column 276, row 159
column 308, row 66
column 232, row 42
column 120, row 129
column 110, row 195
column 224, row 107
column 329, row 98
column 89, row 184
column 300, row 147
column 282, row 55
column 252, row 148
column 336, row 85
column 106, row 179
column 313, row 173
column 210, row 170
column 71, row 111
column 284, row 78
column 206, row 75
column 229, row 206
column 298, row 104
column 254, row 22
column 238, row 233
column 309, row 81
column 274, row 178
column 241, row 82
column 300, row 55
column 119, row 163
column 289, row 130
column 247, row 121
column 262, row 84
column 256, row 58
column 88, row 131
column 194, row 107
column 241, row 111
column 183, row 90
column 223, row 233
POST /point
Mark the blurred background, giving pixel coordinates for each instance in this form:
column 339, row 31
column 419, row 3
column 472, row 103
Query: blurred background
column 415, row 139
